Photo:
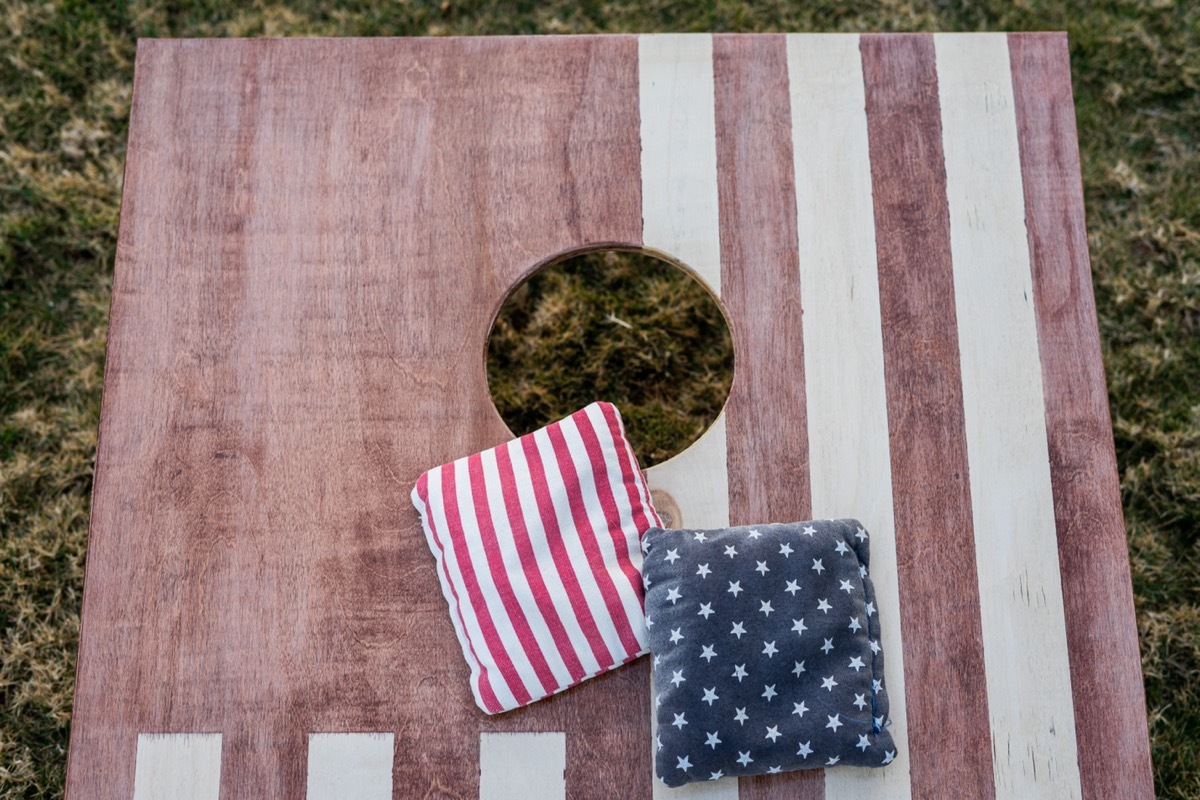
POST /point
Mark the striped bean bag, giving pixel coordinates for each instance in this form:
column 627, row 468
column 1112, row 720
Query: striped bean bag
column 537, row 544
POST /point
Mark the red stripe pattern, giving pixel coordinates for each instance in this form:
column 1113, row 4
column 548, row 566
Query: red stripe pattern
column 537, row 544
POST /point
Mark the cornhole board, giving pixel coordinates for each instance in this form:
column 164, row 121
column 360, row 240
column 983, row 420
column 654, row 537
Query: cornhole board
column 315, row 238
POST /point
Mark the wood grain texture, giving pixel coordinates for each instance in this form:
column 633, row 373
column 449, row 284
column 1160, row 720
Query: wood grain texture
column 850, row 468
column 315, row 238
column 1110, row 706
column 1020, row 593
column 951, row 749
column 766, row 433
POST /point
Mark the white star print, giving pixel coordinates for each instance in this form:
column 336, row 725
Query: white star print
column 799, row 709
column 680, row 721
column 699, row 536
column 774, row 770
column 677, row 677
column 773, row 733
column 875, row 648
column 828, row 683
column 755, row 534
column 713, row 741
column 805, row 750
column 855, row 625
column 792, row 587
column 744, row 758
column 708, row 654
column 716, row 776
column 649, row 622
column 818, row 566
column 876, row 686
column 656, row 660
column 785, row 550
column 862, row 570
column 809, row 530
column 710, row 695
column 860, row 701
column 738, row 629
column 740, row 716
column 856, row 663
column 879, row 723
column 870, row 609
column 645, row 582
column 730, row 551
column 769, row 692
column 769, row 649
column 863, row 744
column 846, row 587
column 684, row 763
column 833, row 760
column 672, row 555
column 674, row 596
column 645, row 545
column 705, row 610
column 842, row 548
column 824, row 605
column 888, row 756
column 735, row 587
column 675, row 635
column 799, row 627
column 762, row 568
column 799, row 669
column 703, row 571
column 766, row 608
column 739, row 672
column 861, row 535
column 835, row 722
column 658, row 739
column 825, row 648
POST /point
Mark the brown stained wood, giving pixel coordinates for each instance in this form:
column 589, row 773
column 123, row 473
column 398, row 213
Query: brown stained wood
column 766, row 429
column 1110, row 705
column 315, row 237
column 949, row 736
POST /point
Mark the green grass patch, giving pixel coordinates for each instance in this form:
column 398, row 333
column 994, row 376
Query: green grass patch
column 65, row 85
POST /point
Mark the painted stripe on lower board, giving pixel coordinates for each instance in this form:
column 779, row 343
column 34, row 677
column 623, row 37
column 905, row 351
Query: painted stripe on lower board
column 177, row 766
column 1106, row 675
column 522, row 766
column 350, row 766
column 681, row 220
column 1020, row 590
column 849, row 461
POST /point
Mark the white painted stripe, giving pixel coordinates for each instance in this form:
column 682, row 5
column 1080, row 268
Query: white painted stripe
column 679, row 151
column 630, row 602
column 522, row 766
column 350, row 766
column 468, row 630
column 177, row 766
column 681, row 220
column 543, row 558
column 1020, row 593
column 516, row 572
column 573, row 545
column 472, row 538
column 850, row 466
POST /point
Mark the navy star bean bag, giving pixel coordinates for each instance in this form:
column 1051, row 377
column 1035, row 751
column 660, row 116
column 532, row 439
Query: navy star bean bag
column 766, row 650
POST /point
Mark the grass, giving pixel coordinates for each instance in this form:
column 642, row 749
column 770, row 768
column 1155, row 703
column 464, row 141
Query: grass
column 65, row 81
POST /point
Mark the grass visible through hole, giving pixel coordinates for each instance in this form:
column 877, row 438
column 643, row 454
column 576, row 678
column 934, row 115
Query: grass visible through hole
column 624, row 327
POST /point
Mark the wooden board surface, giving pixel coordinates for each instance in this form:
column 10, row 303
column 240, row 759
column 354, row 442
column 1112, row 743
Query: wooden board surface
column 315, row 237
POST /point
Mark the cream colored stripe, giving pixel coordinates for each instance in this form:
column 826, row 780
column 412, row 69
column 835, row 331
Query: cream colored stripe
column 522, row 766
column 849, row 461
column 177, row 766
column 1020, row 594
column 681, row 220
column 350, row 766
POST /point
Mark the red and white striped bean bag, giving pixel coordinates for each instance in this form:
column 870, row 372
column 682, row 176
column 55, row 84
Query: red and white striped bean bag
column 537, row 543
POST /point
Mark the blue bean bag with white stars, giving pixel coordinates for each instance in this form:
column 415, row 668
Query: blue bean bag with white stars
column 766, row 650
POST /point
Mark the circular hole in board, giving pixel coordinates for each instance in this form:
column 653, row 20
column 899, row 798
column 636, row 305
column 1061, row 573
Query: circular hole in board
column 618, row 325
